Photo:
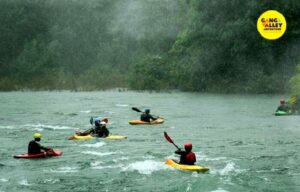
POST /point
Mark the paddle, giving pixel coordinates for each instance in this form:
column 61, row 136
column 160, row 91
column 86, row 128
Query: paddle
column 137, row 110
column 168, row 138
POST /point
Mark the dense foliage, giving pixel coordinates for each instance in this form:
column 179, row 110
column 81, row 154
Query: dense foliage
column 192, row 45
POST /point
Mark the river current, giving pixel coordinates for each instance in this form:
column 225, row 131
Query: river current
column 245, row 146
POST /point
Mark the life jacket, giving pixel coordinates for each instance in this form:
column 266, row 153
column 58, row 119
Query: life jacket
column 190, row 158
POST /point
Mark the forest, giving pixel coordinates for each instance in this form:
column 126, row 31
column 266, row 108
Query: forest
column 186, row 45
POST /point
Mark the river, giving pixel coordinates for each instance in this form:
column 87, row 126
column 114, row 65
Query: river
column 245, row 146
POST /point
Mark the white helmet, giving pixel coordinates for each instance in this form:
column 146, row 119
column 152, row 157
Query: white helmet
column 102, row 123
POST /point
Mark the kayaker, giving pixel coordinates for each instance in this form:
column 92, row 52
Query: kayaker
column 283, row 106
column 34, row 147
column 147, row 117
column 187, row 157
column 99, row 129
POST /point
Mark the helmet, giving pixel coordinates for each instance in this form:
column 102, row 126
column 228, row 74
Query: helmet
column 102, row 123
column 97, row 119
column 147, row 110
column 282, row 101
column 97, row 122
column 105, row 120
column 37, row 136
column 188, row 146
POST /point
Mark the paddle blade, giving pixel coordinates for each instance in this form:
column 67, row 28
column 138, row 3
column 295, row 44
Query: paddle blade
column 136, row 109
column 168, row 138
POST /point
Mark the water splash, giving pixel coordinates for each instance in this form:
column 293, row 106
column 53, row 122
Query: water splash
column 94, row 145
column 3, row 180
column 7, row 127
column 108, row 166
column 219, row 190
column 50, row 180
column 145, row 167
column 24, row 182
column 98, row 153
column 43, row 126
column 87, row 111
column 122, row 105
column 230, row 167
column 120, row 159
column 203, row 157
column 96, row 163
column 65, row 170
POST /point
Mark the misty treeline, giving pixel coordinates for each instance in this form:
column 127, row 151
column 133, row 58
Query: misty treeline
column 190, row 45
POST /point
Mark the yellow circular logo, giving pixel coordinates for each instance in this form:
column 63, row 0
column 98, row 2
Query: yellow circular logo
column 271, row 25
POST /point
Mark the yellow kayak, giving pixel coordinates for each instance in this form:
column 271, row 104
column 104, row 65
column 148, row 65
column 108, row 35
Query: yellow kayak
column 176, row 165
column 116, row 137
column 77, row 137
column 139, row 122
column 88, row 137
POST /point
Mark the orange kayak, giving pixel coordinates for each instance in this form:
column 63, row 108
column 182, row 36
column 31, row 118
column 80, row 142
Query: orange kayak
column 139, row 122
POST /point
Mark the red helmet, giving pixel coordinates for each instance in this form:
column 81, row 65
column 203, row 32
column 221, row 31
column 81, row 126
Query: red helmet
column 188, row 146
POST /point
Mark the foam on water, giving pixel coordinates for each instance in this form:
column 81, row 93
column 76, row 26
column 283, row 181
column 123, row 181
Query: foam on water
column 87, row 111
column 65, row 170
column 50, row 180
column 229, row 168
column 98, row 153
column 3, row 180
column 94, row 145
column 219, row 190
column 145, row 167
column 203, row 157
column 120, row 159
column 7, row 127
column 96, row 163
column 24, row 182
column 122, row 105
column 43, row 126
column 189, row 187
column 148, row 157
column 108, row 166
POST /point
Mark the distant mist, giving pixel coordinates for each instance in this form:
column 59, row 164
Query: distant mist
column 147, row 19
column 189, row 45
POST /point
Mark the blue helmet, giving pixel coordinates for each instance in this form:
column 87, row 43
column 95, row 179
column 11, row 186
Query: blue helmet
column 94, row 119
column 147, row 110
column 97, row 122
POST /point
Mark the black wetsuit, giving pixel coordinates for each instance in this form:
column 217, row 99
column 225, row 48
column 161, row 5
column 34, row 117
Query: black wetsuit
column 34, row 147
column 100, row 131
column 147, row 117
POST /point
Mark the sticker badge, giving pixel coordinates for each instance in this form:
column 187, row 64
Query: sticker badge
column 271, row 25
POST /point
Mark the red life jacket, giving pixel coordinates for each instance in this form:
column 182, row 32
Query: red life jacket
column 190, row 158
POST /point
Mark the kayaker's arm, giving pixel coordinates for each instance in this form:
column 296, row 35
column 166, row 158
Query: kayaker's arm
column 153, row 118
column 180, row 152
column 44, row 148
column 84, row 133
